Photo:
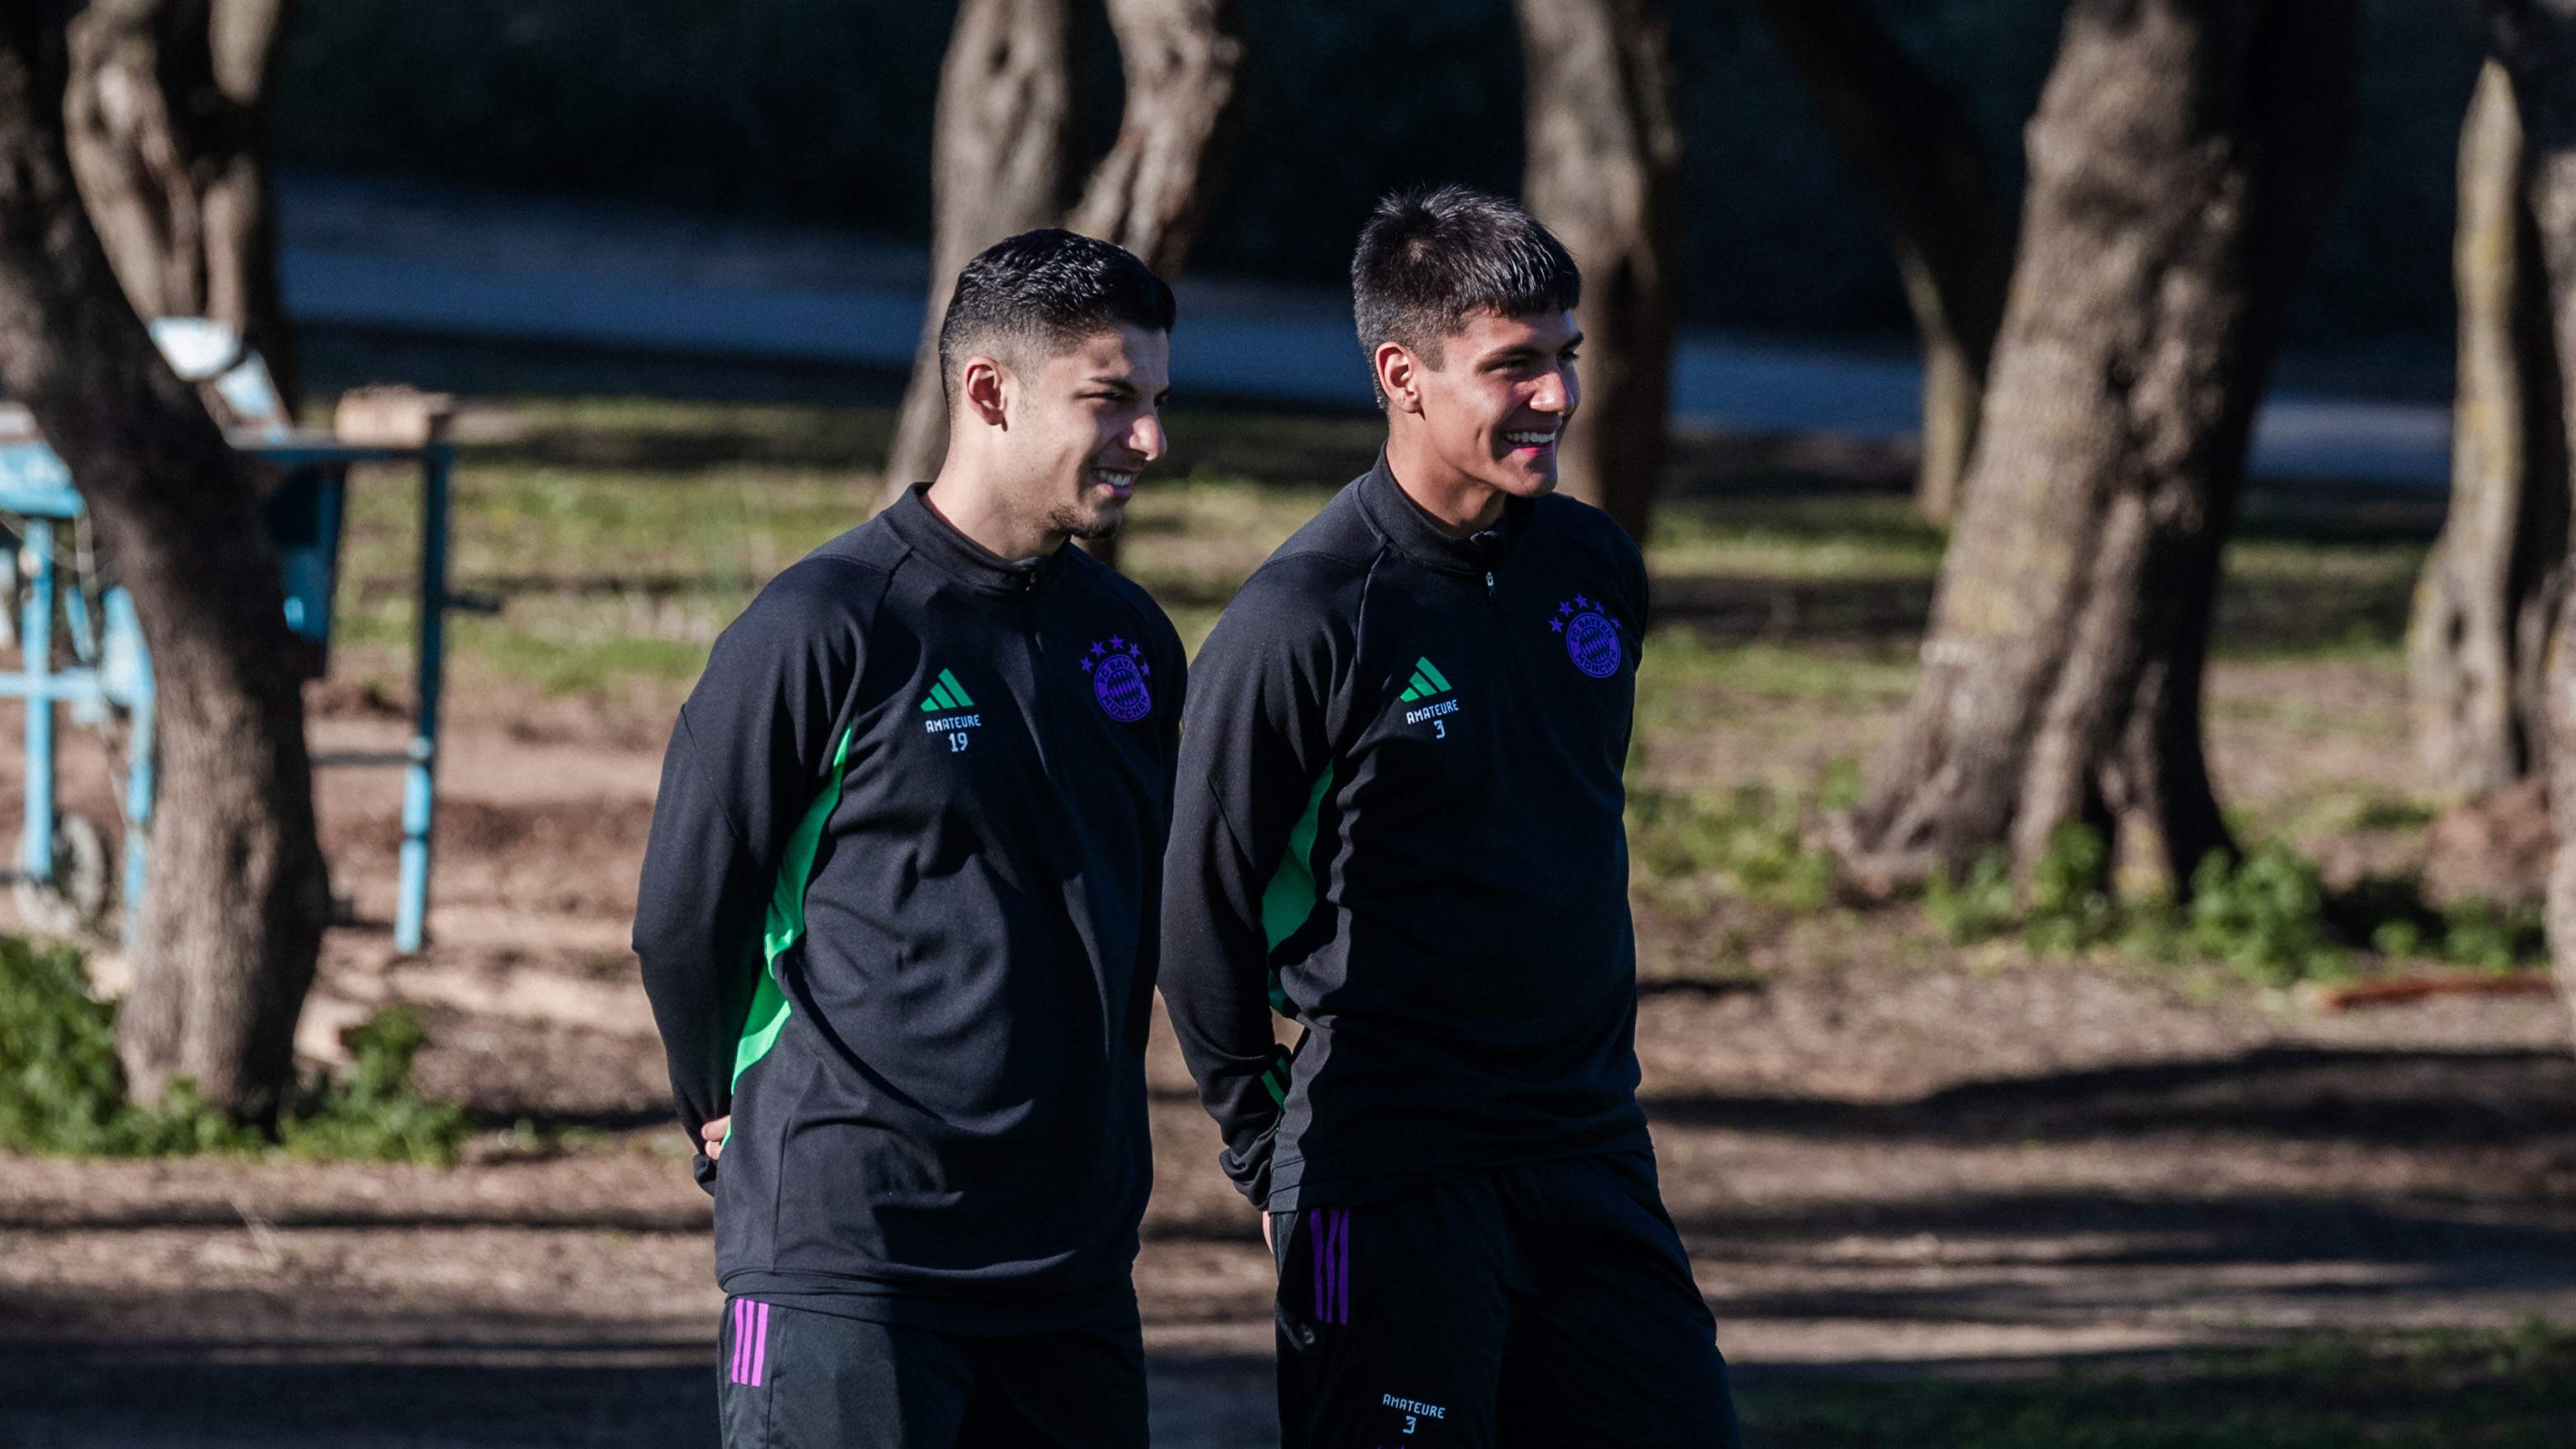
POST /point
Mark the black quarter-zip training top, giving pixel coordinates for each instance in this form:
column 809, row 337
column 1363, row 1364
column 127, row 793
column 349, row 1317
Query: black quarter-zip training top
column 1400, row 824
column 897, row 918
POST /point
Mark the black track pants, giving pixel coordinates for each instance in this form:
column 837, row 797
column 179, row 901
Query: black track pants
column 792, row 1379
column 1549, row 1304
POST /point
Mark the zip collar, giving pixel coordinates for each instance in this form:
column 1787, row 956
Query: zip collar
column 937, row 540
column 1402, row 523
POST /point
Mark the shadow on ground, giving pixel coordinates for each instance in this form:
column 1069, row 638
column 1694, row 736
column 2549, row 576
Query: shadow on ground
column 2391, row 1098
column 145, row 1396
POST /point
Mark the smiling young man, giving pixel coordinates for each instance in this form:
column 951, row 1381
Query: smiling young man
column 1400, row 826
column 897, row 914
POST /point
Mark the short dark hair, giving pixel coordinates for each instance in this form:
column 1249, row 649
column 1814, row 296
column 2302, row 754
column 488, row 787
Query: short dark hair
column 1049, row 288
column 1430, row 257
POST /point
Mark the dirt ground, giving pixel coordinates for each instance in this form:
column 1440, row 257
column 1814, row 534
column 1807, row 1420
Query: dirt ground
column 1888, row 1155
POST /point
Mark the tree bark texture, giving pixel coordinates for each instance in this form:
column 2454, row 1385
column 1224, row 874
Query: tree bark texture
column 234, row 912
column 1603, row 173
column 2536, row 41
column 2181, row 159
column 2483, row 609
column 167, row 110
column 1005, row 97
column 996, row 170
column 1913, row 148
column 1184, row 66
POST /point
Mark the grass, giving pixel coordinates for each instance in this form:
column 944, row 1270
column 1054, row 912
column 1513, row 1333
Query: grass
column 624, row 533
column 1836, row 536
column 2512, row 1389
column 1685, row 681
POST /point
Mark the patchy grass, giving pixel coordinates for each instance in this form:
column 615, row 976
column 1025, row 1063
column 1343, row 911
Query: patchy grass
column 1750, row 840
column 623, row 533
column 1685, row 681
column 1850, row 536
column 2514, row 1389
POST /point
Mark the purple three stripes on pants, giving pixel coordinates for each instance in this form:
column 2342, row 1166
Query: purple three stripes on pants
column 1331, row 1236
column 750, row 1342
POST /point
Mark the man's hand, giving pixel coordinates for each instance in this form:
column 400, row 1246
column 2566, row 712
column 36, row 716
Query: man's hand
column 1268, row 1241
column 714, row 1132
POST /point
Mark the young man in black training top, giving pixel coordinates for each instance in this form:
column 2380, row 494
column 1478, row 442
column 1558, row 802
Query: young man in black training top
column 898, row 914
column 1400, row 825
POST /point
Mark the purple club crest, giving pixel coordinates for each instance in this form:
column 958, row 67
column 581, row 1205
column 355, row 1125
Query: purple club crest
column 1591, row 639
column 1118, row 672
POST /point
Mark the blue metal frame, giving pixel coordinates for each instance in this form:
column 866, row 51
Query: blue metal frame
column 116, row 669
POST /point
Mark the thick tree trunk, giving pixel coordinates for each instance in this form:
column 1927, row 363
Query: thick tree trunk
column 2183, row 155
column 167, row 111
column 1004, row 99
column 1184, row 64
column 996, row 170
column 234, row 913
column 1603, row 173
column 2489, row 592
column 2536, row 41
column 1913, row 147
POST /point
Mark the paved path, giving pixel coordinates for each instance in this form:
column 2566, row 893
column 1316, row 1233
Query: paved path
column 407, row 257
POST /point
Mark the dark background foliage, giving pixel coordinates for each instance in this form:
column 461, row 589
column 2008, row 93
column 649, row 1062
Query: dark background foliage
column 819, row 110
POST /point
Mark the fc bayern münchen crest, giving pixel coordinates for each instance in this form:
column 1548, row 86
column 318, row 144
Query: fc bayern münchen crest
column 1118, row 671
column 1591, row 640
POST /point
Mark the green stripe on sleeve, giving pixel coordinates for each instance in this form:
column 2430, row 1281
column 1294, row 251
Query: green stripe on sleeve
column 957, row 691
column 1432, row 671
column 1291, row 896
column 786, row 923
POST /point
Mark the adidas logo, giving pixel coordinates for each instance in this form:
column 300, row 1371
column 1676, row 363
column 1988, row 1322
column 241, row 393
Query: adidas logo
column 1427, row 681
column 947, row 694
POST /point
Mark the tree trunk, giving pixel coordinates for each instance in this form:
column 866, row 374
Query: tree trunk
column 996, row 170
column 234, row 913
column 1183, row 61
column 167, row 111
column 1184, row 64
column 2183, row 155
column 1603, row 173
column 1916, row 152
column 2536, row 41
column 2483, row 608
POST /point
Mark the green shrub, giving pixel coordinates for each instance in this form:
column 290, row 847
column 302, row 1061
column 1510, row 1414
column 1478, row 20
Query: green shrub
column 2490, row 937
column 2264, row 915
column 1974, row 908
column 2267, row 916
column 373, row 1115
column 2070, row 903
column 2390, row 913
column 62, row 1090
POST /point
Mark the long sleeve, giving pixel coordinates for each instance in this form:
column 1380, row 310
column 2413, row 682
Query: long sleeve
column 752, row 750
column 1255, row 759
